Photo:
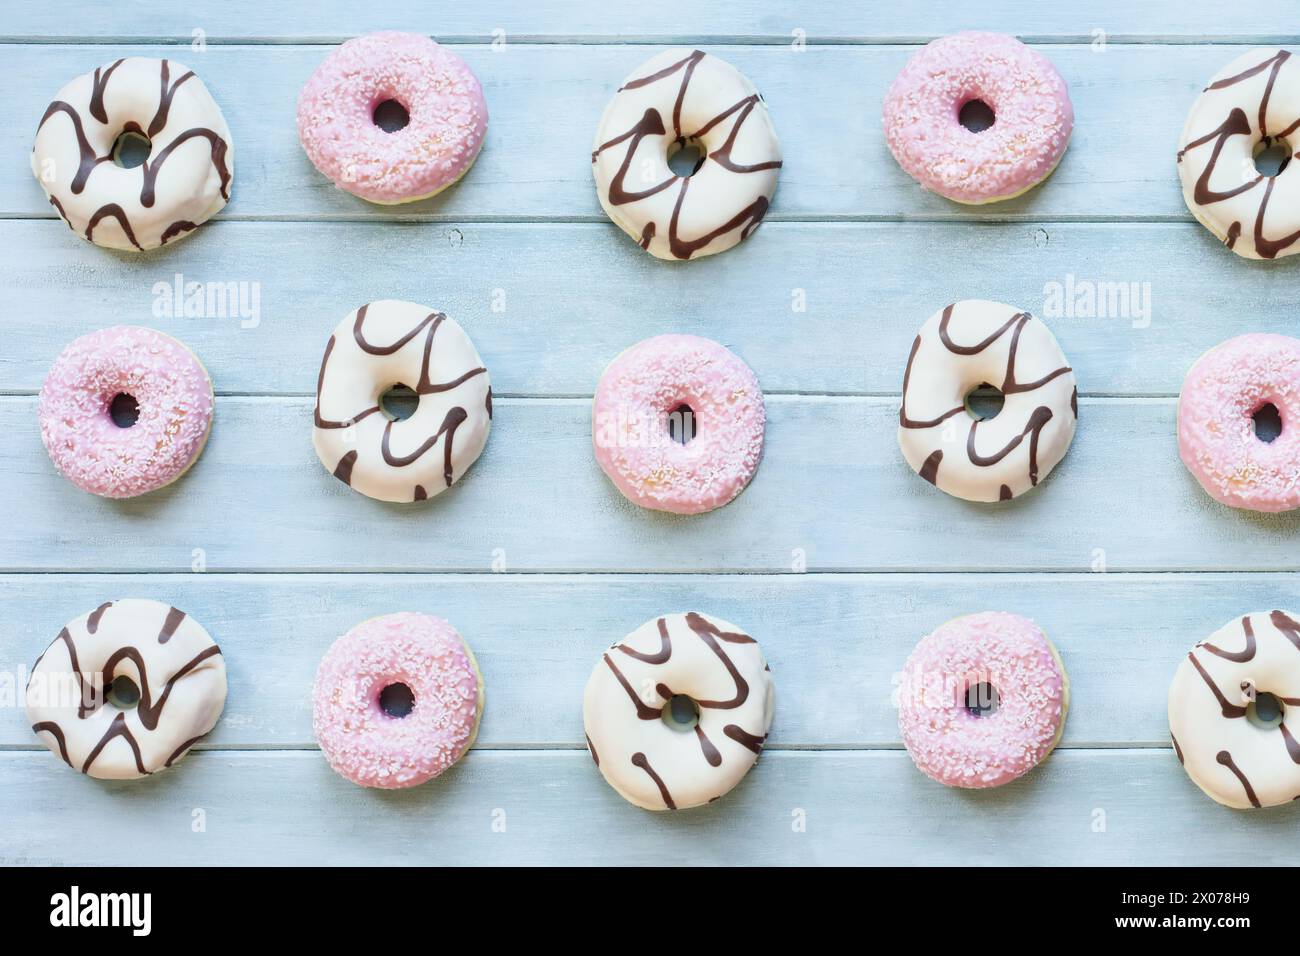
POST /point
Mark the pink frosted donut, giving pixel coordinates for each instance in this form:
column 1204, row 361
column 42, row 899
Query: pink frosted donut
column 171, row 390
column 669, row 382
column 1222, row 393
column 397, row 700
column 442, row 96
column 982, row 700
column 1032, row 117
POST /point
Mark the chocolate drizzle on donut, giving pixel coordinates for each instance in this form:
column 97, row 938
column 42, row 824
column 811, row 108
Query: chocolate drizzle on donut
column 1236, row 123
column 1229, row 710
column 744, row 738
column 1237, row 657
column 1225, row 758
column 455, row 417
column 174, row 618
column 88, row 161
column 91, row 699
column 92, row 622
column 639, row 760
column 1038, row 418
column 651, row 123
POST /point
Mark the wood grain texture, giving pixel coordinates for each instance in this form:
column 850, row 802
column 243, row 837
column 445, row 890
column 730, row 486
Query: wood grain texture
column 292, row 558
column 545, row 102
column 835, row 642
column 857, row 807
column 549, row 305
column 832, row 484
column 623, row 21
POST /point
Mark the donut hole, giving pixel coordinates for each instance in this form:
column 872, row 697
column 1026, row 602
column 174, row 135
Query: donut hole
column 982, row 699
column 396, row 700
column 681, row 713
column 124, row 410
column 123, row 693
column 985, row 401
column 1265, row 711
column 1268, row 422
column 976, row 115
column 1271, row 157
column 399, row 402
column 131, row 149
column 681, row 424
column 685, row 159
column 391, row 116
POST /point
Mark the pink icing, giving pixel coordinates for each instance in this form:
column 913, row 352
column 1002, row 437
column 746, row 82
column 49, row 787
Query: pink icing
column 1216, row 431
column 367, row 745
column 630, row 424
column 448, row 117
column 1032, row 117
column 174, row 396
column 954, row 746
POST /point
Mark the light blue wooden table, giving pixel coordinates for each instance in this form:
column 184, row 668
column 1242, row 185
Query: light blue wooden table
column 534, row 556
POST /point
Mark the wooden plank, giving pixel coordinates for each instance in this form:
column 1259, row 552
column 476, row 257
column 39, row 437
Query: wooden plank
column 625, row 21
column 553, row 808
column 546, row 100
column 834, row 642
column 546, row 329
column 832, row 486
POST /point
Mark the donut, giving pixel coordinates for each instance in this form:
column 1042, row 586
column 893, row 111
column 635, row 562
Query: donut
column 682, row 98
column 1032, row 117
column 968, row 346
column 397, row 701
column 172, row 394
column 184, row 181
column 442, row 97
column 77, row 696
column 382, row 345
column 637, row 696
column 676, row 380
column 1239, row 752
column 1252, row 104
column 982, row 700
column 1217, row 441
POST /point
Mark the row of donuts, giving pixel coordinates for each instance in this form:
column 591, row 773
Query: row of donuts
column 394, row 117
column 675, row 714
column 677, row 420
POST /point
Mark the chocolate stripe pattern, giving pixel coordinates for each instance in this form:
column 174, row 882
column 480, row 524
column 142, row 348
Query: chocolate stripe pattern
column 178, row 672
column 655, row 762
column 184, row 180
column 979, row 344
column 389, row 343
column 686, row 98
column 1228, row 749
column 1249, row 107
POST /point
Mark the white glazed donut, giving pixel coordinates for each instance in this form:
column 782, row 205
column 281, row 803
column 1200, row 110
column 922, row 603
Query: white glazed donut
column 1228, row 752
column 661, row 767
column 686, row 97
column 1251, row 104
column 388, row 343
column 975, row 343
column 184, row 181
column 173, row 663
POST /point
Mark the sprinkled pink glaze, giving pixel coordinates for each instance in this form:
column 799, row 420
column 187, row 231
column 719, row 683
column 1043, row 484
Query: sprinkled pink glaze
column 630, row 424
column 958, row 748
column 1216, row 430
column 1033, row 117
column 367, row 745
column 448, row 117
column 171, row 388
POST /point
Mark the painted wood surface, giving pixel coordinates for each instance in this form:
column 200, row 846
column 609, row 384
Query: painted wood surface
column 837, row 557
column 1084, row 807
